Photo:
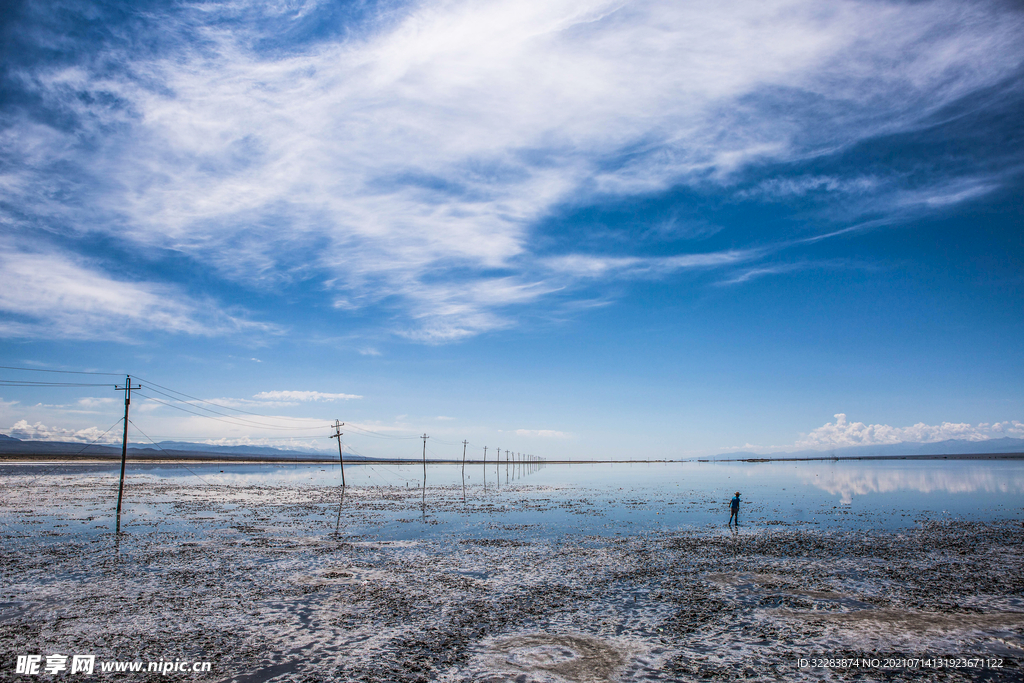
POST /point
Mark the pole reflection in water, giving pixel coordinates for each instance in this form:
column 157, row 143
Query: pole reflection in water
column 337, row 525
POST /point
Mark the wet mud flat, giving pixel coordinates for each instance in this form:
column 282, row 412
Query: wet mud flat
column 272, row 584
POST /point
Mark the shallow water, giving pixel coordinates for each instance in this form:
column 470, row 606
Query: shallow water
column 563, row 574
column 547, row 502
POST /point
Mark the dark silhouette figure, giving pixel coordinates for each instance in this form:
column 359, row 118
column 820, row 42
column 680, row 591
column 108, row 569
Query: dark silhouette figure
column 734, row 506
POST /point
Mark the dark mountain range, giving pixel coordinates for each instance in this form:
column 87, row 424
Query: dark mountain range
column 10, row 446
column 256, row 450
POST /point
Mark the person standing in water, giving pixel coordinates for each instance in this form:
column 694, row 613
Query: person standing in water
column 734, row 506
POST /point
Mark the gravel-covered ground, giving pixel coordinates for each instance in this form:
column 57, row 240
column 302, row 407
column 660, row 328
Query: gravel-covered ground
column 260, row 584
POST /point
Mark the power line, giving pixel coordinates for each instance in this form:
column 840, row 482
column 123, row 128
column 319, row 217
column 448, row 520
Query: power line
column 177, row 437
column 235, row 424
column 162, row 390
column 84, row 448
column 63, row 372
column 181, row 393
column 230, row 417
column 447, row 443
column 168, row 454
column 33, row 383
column 367, row 432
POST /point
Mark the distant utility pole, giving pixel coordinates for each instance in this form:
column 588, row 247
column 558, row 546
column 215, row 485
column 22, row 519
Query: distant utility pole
column 464, row 444
column 424, row 437
column 337, row 435
column 127, row 389
column 485, row 456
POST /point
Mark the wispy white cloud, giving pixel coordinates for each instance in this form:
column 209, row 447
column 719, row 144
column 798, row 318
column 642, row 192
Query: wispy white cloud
column 302, row 396
column 742, row 275
column 422, row 153
column 588, row 266
column 843, row 433
column 53, row 295
column 784, row 188
column 754, row 273
column 947, row 193
column 93, row 402
column 544, row 433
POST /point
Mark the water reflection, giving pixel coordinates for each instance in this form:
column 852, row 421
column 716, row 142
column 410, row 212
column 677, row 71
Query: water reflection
column 337, row 525
column 582, row 498
column 858, row 480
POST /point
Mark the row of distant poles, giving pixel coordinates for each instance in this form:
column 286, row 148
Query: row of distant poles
column 520, row 458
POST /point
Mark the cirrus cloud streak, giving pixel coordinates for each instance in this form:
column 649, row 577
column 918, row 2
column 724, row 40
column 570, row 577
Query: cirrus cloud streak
column 408, row 165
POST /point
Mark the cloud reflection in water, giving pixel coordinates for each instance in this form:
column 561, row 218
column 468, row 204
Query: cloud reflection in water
column 849, row 482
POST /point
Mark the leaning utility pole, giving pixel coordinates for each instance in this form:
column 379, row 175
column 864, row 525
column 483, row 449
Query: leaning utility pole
column 337, row 435
column 127, row 388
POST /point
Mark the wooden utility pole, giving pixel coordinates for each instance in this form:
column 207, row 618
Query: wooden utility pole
column 127, row 388
column 337, row 435
column 464, row 444
column 424, row 437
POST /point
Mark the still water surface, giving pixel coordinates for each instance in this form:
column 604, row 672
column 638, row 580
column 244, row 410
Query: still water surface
column 386, row 502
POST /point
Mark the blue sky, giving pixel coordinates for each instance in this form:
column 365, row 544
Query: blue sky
column 576, row 229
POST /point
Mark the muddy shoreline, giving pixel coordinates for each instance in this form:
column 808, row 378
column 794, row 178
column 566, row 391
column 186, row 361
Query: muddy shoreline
column 266, row 595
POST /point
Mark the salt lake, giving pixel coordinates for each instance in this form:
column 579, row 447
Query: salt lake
column 557, row 574
column 550, row 500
